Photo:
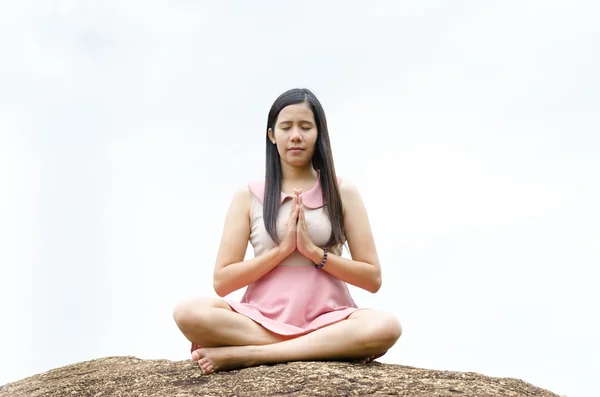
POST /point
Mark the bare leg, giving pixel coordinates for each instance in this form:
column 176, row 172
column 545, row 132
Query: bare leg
column 211, row 322
column 363, row 334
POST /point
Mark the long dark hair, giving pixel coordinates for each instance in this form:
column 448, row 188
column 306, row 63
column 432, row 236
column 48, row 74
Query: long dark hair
column 322, row 161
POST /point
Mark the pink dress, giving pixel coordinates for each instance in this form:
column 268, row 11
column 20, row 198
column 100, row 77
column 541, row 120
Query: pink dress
column 294, row 298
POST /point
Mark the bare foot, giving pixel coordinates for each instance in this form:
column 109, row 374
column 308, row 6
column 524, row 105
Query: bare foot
column 368, row 359
column 365, row 360
column 213, row 359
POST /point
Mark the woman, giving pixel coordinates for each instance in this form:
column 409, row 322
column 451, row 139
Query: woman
column 297, row 305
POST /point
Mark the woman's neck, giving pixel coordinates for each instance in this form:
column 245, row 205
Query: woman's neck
column 297, row 175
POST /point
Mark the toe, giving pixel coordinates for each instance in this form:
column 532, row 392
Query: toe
column 195, row 355
column 207, row 368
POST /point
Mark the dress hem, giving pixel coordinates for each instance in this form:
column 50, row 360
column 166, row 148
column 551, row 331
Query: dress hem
column 284, row 329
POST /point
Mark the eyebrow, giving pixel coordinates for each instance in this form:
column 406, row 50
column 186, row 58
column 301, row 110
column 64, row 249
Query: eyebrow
column 301, row 121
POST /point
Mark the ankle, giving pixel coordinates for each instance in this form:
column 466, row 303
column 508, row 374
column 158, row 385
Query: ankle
column 256, row 354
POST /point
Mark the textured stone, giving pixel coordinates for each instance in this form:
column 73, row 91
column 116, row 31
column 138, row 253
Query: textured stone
column 131, row 376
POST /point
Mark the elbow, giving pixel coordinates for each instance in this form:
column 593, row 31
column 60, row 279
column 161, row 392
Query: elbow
column 220, row 292
column 218, row 287
column 376, row 284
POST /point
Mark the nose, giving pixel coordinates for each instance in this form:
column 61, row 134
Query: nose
column 296, row 135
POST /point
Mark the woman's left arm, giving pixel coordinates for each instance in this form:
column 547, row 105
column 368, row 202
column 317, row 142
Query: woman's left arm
column 363, row 270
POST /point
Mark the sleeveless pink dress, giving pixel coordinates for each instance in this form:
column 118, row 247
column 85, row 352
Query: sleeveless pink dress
column 294, row 298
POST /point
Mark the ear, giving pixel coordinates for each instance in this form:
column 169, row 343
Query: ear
column 271, row 136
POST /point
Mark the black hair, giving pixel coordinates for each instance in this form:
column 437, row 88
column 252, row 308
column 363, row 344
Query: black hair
column 322, row 161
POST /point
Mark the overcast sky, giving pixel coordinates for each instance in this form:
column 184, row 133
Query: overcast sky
column 471, row 129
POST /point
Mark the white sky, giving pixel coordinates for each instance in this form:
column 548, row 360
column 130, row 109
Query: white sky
column 472, row 130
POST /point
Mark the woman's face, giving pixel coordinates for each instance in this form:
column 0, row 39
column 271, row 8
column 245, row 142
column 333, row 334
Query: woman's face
column 295, row 127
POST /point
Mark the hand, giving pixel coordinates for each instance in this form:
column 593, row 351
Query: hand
column 303, row 241
column 288, row 244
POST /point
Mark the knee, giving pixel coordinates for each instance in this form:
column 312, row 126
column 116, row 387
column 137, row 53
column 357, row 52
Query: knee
column 191, row 313
column 387, row 329
column 182, row 313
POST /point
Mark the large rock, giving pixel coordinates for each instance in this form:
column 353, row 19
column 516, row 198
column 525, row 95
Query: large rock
column 131, row 376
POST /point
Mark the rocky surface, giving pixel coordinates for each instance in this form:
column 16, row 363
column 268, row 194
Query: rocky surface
column 131, row 376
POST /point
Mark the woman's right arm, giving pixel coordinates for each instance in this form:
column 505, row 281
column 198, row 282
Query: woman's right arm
column 231, row 271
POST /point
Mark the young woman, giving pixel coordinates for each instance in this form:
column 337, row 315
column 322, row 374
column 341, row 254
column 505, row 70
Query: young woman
column 297, row 305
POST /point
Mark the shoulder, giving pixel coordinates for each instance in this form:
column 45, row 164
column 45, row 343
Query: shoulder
column 351, row 199
column 347, row 188
column 243, row 192
column 242, row 198
column 240, row 205
column 257, row 188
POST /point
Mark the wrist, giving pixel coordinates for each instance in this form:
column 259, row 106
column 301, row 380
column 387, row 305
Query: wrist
column 317, row 255
column 280, row 254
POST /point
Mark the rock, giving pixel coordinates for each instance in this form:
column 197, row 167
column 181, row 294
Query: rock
column 131, row 376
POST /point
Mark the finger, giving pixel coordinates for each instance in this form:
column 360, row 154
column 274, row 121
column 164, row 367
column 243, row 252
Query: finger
column 293, row 210
column 301, row 218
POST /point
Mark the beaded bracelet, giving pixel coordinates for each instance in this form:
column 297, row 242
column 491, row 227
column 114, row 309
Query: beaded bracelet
column 324, row 259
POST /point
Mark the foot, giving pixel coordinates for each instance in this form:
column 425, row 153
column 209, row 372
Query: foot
column 368, row 359
column 365, row 360
column 213, row 359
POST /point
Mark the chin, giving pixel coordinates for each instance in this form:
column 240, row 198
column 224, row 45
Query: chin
column 298, row 162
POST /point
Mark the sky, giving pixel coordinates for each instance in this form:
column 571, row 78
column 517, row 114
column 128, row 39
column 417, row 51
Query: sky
column 471, row 129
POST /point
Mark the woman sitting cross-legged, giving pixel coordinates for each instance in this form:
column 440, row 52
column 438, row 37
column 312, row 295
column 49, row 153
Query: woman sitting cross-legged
column 297, row 305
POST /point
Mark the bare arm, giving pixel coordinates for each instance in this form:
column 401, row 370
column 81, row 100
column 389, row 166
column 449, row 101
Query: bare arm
column 363, row 270
column 231, row 271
